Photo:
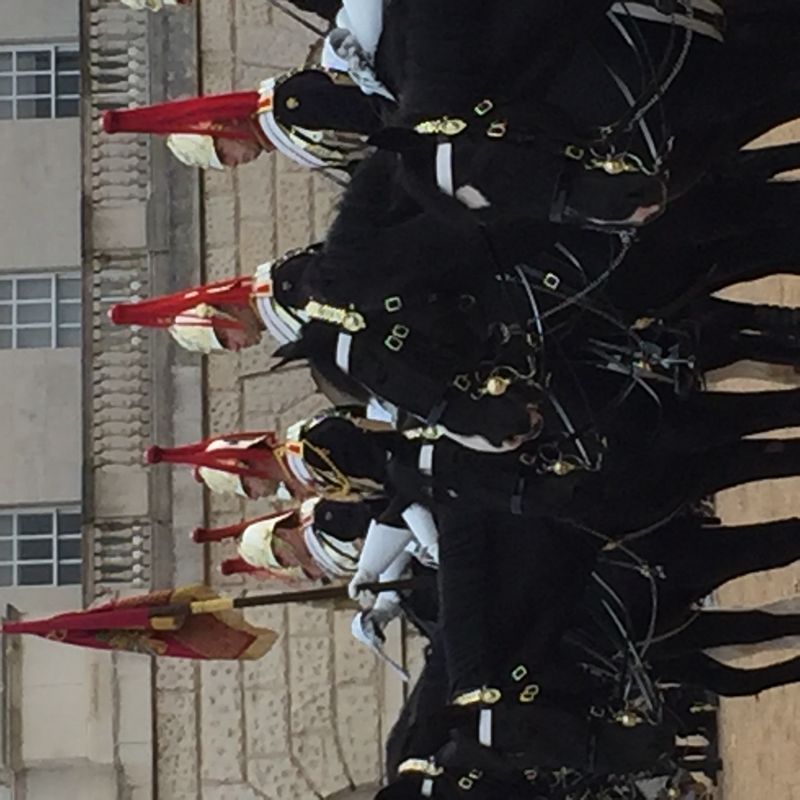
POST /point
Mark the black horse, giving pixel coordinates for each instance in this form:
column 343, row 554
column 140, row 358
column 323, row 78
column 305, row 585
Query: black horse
column 569, row 143
column 490, row 624
column 646, row 474
column 579, row 133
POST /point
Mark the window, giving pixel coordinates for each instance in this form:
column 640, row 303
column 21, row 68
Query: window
column 40, row 310
column 39, row 82
column 40, row 547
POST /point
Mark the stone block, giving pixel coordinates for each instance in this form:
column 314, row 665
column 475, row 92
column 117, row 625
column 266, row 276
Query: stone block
column 121, row 493
column 256, row 243
column 285, row 43
column 220, row 221
column 273, row 617
column 253, row 73
column 120, row 228
column 224, row 412
column 302, row 408
column 177, row 754
column 268, row 672
column 217, row 25
column 254, row 363
column 220, row 263
column 219, row 182
column 219, row 74
column 310, row 682
column 279, row 777
column 295, row 212
column 267, row 397
column 221, row 722
column 222, row 370
column 173, row 674
column 353, row 663
column 232, row 791
column 307, row 620
column 325, row 194
column 136, row 760
column 321, row 758
column 256, row 189
column 135, row 709
column 359, row 725
column 267, row 720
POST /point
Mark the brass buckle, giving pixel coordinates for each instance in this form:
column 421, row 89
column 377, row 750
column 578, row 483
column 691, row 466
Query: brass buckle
column 466, row 782
column 393, row 343
column 401, row 331
column 574, row 152
column 551, row 281
column 529, row 693
column 462, row 382
column 497, row 129
column 519, row 673
column 484, row 107
column 393, row 304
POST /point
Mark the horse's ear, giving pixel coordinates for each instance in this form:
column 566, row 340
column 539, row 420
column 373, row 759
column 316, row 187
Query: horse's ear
column 397, row 140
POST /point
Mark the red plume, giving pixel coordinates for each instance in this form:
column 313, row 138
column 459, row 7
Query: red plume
column 228, row 116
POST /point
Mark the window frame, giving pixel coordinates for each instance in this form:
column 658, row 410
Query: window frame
column 56, row 325
column 53, row 73
column 55, row 562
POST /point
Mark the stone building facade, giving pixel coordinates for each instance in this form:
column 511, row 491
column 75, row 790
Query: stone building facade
column 308, row 719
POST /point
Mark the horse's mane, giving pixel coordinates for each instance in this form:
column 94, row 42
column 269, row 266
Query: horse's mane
column 381, row 240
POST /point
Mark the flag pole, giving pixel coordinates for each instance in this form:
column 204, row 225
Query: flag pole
column 168, row 614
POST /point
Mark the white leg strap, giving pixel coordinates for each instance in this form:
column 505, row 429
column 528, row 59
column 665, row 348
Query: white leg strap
column 343, row 345
column 425, row 463
column 485, row 727
column 444, row 167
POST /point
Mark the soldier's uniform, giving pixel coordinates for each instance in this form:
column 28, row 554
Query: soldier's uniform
column 194, row 316
column 316, row 117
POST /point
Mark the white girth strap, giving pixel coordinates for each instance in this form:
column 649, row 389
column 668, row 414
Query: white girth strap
column 425, row 463
column 343, row 345
column 485, row 727
column 651, row 14
column 444, row 167
column 427, row 788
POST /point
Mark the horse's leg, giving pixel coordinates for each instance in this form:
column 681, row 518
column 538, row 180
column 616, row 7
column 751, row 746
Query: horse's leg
column 699, row 669
column 697, row 559
column 720, row 628
column 742, row 462
column 711, row 419
column 731, row 332
column 764, row 252
column 668, row 280
column 718, row 351
column 720, row 211
column 763, row 163
column 735, row 316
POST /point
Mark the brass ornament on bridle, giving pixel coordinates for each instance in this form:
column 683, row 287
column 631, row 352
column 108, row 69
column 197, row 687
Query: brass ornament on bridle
column 347, row 318
column 443, row 126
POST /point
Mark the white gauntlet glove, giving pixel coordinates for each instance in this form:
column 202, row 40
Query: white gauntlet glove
column 367, row 627
column 365, row 598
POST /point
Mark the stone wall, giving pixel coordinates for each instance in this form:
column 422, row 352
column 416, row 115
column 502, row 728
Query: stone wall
column 309, row 718
column 140, row 235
